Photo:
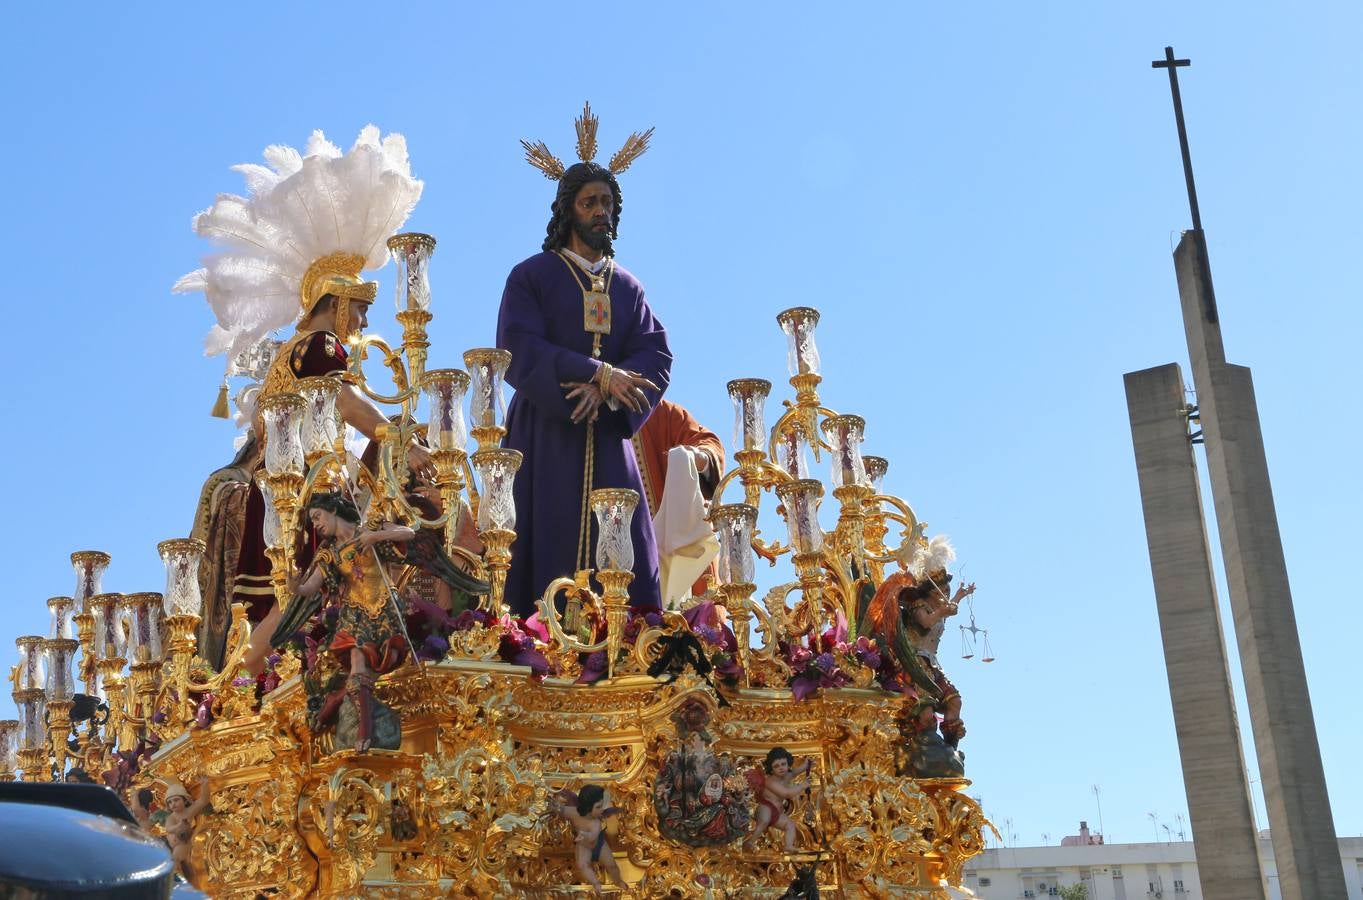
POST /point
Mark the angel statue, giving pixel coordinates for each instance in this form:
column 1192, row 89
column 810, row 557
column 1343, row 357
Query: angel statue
column 907, row 617
column 775, row 784
column 366, row 636
column 177, row 819
column 587, row 812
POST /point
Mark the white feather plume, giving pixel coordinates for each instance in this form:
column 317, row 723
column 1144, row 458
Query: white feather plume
column 298, row 208
column 932, row 557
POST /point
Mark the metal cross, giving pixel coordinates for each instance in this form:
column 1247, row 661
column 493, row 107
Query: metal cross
column 1173, row 65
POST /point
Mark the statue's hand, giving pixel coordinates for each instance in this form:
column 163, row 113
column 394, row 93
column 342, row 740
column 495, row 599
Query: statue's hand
column 588, row 397
column 419, row 461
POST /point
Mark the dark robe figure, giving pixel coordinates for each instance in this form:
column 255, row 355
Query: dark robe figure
column 542, row 323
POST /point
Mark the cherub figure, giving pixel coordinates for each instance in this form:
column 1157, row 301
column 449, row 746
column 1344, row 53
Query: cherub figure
column 181, row 810
column 587, row 812
column 774, row 784
column 930, row 606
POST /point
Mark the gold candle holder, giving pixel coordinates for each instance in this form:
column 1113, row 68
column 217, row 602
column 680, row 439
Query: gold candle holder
column 182, row 557
column 614, row 509
column 85, row 635
column 58, row 730
column 9, row 745
column 285, row 491
column 90, row 566
column 750, row 433
column 496, row 470
column 447, row 436
column 412, row 253
column 844, row 434
column 801, row 500
column 321, row 428
column 33, row 749
column 487, row 367
column 876, row 529
column 60, row 610
column 615, row 599
column 180, row 646
column 735, row 524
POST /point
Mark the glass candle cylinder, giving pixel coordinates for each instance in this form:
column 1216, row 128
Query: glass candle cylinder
column 614, row 508
column 283, row 418
column 792, row 452
column 110, row 638
column 445, row 389
column 487, row 366
column 59, row 683
column 801, row 500
column 802, row 356
column 182, row 557
column 142, row 615
column 496, row 470
column 31, row 667
column 321, row 423
column 876, row 467
column 845, row 434
column 412, row 253
column 750, row 406
column 90, row 566
column 9, row 743
column 60, row 610
column 272, row 530
column 734, row 525
column 32, row 724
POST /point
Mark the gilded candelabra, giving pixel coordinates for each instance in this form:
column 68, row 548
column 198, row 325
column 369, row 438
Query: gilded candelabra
column 614, row 509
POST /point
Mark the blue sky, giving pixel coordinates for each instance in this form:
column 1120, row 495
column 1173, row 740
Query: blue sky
column 982, row 201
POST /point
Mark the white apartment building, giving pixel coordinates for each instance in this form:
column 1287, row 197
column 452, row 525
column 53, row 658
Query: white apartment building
column 1163, row 871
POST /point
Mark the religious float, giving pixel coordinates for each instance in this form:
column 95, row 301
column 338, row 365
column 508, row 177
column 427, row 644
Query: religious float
column 404, row 733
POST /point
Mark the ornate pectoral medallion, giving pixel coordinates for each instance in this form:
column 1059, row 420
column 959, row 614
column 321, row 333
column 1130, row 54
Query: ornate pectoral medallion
column 596, row 310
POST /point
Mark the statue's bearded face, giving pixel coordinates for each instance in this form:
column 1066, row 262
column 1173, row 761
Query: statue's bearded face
column 593, row 212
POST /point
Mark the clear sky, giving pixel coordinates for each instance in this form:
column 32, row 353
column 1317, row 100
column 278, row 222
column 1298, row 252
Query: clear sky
column 981, row 198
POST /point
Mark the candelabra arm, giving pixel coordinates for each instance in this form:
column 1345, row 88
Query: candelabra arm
column 911, row 534
column 238, row 643
column 549, row 616
column 391, row 495
column 359, row 351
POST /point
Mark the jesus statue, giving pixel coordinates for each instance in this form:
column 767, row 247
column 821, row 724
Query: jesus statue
column 589, row 362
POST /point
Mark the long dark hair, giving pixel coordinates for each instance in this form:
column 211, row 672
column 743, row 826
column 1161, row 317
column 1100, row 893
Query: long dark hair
column 561, row 222
column 332, row 502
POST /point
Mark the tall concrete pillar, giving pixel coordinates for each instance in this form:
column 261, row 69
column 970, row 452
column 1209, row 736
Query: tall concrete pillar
column 1304, row 844
column 1219, row 804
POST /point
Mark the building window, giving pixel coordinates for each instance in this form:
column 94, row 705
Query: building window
column 1178, row 886
column 1116, row 871
column 985, row 882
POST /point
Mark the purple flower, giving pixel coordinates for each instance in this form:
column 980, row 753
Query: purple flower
column 593, row 668
column 825, row 663
column 803, row 685
column 433, row 648
column 867, row 652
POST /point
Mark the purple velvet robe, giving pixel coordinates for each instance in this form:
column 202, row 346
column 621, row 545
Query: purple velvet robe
column 541, row 323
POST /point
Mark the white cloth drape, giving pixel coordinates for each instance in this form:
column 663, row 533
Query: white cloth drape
column 686, row 542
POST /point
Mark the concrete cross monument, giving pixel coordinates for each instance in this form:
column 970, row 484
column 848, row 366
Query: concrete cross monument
column 1219, row 805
